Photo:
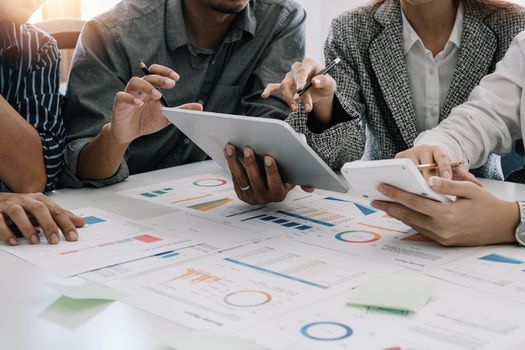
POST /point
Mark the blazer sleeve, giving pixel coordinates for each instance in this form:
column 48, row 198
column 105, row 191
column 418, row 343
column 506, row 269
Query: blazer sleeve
column 343, row 140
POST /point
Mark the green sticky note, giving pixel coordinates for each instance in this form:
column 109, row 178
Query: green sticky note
column 191, row 340
column 398, row 293
column 87, row 291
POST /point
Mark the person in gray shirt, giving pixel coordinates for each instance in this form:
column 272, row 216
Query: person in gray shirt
column 220, row 53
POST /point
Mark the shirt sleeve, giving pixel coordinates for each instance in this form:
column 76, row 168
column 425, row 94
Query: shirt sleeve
column 491, row 120
column 99, row 70
column 344, row 139
column 287, row 48
column 39, row 102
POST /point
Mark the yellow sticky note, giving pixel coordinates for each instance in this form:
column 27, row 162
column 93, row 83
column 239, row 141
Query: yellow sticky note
column 397, row 293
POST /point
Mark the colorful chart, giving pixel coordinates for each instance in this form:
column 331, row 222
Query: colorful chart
column 357, row 236
column 282, row 222
column 362, row 208
column 206, row 206
column 145, row 238
column 210, row 183
column 157, row 193
column 326, row 331
column 195, row 277
column 167, row 255
column 501, row 259
column 93, row 220
column 247, row 298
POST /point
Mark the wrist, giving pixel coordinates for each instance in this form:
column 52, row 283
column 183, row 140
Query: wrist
column 323, row 109
column 108, row 132
column 514, row 220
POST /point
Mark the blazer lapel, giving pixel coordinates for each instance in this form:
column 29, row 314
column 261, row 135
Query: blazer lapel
column 476, row 58
column 389, row 65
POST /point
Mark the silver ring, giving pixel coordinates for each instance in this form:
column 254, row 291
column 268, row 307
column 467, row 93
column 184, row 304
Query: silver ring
column 244, row 189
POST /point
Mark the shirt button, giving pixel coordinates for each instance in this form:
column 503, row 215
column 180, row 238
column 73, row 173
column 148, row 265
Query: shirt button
column 187, row 141
column 432, row 70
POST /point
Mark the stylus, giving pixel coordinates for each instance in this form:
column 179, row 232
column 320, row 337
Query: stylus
column 434, row 166
column 325, row 71
column 146, row 71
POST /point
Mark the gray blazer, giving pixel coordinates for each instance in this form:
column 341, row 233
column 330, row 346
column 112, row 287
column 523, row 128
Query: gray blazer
column 374, row 92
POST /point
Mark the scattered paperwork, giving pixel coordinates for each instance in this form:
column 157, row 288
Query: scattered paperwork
column 192, row 340
column 397, row 293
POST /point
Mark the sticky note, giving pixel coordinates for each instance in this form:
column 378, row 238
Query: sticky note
column 87, row 291
column 191, row 340
column 398, row 293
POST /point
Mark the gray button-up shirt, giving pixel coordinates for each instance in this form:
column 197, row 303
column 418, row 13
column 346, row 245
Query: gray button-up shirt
column 264, row 41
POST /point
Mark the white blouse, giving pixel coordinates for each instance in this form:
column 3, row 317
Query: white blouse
column 430, row 77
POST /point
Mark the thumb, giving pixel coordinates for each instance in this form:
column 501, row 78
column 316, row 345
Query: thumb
column 192, row 107
column 460, row 174
column 462, row 189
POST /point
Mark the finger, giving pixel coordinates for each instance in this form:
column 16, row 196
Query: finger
column 239, row 176
column 411, row 201
column 461, row 174
column 164, row 71
column 308, row 189
column 307, row 101
column 65, row 224
column 192, row 107
column 300, row 75
column 160, row 81
column 426, row 158
column 462, row 189
column 428, row 233
column 271, row 89
column 324, row 83
column 19, row 217
column 253, row 172
column 276, row 186
column 443, row 161
column 41, row 212
column 6, row 234
column 289, row 90
column 123, row 98
column 142, row 89
column 78, row 221
column 406, row 215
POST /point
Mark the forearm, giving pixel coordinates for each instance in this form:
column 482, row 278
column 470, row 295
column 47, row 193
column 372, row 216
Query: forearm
column 102, row 158
column 23, row 169
column 323, row 110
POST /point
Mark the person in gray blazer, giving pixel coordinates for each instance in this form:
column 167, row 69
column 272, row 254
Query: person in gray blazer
column 405, row 65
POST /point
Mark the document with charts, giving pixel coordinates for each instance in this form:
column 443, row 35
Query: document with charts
column 349, row 225
column 106, row 240
column 243, row 287
column 496, row 270
column 113, row 273
column 455, row 319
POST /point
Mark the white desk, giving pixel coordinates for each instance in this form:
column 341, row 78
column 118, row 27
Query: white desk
column 30, row 317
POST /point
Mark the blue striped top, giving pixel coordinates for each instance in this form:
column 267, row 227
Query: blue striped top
column 29, row 81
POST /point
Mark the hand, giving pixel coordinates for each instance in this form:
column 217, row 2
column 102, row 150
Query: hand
column 320, row 97
column 427, row 154
column 250, row 185
column 137, row 110
column 476, row 218
column 27, row 210
column 18, row 11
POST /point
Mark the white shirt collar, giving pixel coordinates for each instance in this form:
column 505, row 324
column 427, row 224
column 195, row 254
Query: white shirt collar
column 410, row 37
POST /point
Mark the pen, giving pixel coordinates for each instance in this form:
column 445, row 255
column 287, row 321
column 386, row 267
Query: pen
column 146, row 71
column 434, row 166
column 323, row 72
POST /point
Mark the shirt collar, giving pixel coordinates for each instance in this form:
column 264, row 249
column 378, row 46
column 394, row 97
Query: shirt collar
column 176, row 35
column 410, row 36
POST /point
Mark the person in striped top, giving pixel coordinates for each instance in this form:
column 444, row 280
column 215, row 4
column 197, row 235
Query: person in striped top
column 32, row 132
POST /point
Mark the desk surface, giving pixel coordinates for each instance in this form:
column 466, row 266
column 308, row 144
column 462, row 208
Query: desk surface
column 31, row 317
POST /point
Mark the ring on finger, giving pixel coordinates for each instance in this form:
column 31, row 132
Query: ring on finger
column 244, row 189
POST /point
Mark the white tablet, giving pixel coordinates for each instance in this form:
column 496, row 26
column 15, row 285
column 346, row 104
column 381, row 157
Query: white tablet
column 298, row 163
column 365, row 176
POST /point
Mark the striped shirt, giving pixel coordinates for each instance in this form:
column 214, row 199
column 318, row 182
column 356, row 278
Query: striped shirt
column 29, row 82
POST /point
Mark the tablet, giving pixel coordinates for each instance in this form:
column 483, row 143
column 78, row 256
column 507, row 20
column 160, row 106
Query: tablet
column 365, row 176
column 298, row 163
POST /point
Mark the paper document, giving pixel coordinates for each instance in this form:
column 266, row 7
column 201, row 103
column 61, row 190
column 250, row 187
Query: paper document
column 106, row 240
column 242, row 287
